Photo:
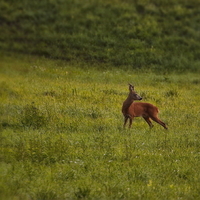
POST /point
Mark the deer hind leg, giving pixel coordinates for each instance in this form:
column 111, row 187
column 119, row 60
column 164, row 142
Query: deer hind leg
column 159, row 122
column 147, row 119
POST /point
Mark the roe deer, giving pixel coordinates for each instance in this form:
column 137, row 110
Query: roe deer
column 131, row 109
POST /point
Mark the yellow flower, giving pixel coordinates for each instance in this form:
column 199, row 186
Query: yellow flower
column 150, row 183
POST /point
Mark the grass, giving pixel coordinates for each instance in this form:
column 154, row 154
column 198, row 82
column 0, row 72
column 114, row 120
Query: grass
column 62, row 136
column 161, row 35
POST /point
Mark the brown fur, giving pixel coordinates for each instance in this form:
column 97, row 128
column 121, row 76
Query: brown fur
column 131, row 109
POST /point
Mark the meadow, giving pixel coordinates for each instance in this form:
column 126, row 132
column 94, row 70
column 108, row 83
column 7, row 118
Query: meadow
column 62, row 138
column 65, row 66
column 133, row 34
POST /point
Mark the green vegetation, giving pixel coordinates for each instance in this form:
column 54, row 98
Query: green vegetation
column 62, row 136
column 157, row 34
column 64, row 69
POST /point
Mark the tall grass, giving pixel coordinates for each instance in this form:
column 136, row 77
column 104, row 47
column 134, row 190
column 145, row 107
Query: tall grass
column 62, row 137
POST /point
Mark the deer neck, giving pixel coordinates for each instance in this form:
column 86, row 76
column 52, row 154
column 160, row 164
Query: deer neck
column 127, row 104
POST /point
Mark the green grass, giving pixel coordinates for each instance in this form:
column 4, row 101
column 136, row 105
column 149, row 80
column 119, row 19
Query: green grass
column 161, row 35
column 62, row 136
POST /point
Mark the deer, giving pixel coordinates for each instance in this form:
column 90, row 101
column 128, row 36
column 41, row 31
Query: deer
column 131, row 109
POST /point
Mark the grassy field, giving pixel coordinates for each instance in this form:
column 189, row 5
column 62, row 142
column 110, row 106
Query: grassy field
column 161, row 34
column 65, row 66
column 62, row 138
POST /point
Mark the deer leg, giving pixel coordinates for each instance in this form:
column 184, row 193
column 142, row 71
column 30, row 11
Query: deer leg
column 147, row 119
column 130, row 122
column 125, row 120
column 159, row 122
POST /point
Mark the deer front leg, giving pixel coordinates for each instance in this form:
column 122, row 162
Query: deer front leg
column 125, row 120
column 130, row 121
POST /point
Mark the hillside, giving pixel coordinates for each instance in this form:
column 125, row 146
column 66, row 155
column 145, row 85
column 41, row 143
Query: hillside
column 161, row 35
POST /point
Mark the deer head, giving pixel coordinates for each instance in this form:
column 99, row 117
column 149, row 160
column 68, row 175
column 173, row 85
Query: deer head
column 133, row 94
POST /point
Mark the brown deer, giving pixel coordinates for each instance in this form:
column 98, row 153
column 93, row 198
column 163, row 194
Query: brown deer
column 131, row 109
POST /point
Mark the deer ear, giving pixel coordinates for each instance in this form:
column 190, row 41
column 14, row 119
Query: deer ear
column 131, row 87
